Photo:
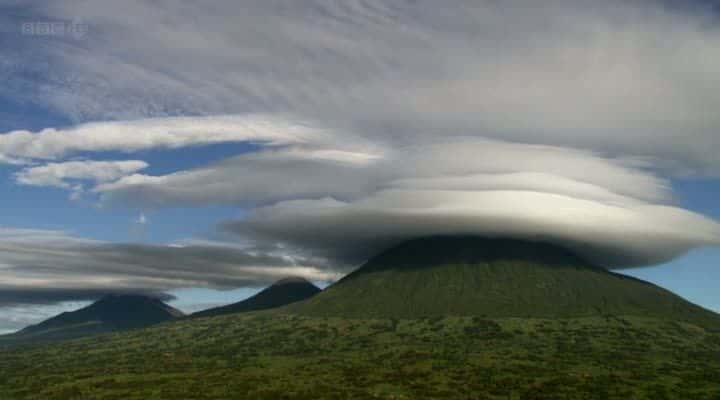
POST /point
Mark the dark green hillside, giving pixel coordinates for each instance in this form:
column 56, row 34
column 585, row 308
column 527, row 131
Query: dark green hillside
column 264, row 355
column 472, row 276
column 111, row 313
column 282, row 292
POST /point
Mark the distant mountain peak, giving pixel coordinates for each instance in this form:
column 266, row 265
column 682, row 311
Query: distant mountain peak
column 112, row 312
column 283, row 292
column 132, row 304
column 291, row 280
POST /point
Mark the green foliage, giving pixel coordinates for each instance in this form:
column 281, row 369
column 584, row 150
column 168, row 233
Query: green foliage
column 276, row 356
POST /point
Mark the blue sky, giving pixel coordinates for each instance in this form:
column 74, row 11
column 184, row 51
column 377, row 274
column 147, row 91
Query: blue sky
column 196, row 152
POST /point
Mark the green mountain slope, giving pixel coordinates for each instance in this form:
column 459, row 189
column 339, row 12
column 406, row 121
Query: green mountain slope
column 472, row 276
column 264, row 355
column 114, row 312
column 281, row 293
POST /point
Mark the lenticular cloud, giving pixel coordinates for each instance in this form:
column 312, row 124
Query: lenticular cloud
column 342, row 196
column 612, row 212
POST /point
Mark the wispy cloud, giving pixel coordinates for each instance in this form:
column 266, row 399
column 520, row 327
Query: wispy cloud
column 63, row 174
column 624, row 77
column 144, row 134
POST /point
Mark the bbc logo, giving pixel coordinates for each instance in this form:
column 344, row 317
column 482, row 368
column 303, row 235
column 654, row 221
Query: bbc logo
column 54, row 28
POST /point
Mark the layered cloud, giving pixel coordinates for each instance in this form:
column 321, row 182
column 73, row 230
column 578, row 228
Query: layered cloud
column 609, row 234
column 613, row 211
column 41, row 267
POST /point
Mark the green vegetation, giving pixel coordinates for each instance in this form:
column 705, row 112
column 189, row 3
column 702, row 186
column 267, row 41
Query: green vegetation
column 275, row 356
column 495, row 278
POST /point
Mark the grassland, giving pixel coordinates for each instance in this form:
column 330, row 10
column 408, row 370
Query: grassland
column 269, row 355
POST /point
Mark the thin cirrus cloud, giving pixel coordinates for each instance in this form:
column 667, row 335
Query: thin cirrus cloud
column 621, row 77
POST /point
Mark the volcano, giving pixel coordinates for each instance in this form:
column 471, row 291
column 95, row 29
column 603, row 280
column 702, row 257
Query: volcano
column 494, row 278
column 113, row 312
column 282, row 292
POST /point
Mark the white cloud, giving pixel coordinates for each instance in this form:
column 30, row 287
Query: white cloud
column 141, row 219
column 129, row 136
column 268, row 176
column 466, row 185
column 251, row 178
column 62, row 174
column 631, row 78
column 611, row 234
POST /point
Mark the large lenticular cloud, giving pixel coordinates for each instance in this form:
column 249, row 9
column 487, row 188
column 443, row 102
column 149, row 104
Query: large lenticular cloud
column 611, row 213
column 614, row 212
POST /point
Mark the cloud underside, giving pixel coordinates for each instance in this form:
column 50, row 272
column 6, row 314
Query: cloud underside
column 605, row 234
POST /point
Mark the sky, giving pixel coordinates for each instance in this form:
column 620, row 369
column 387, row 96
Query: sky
column 200, row 152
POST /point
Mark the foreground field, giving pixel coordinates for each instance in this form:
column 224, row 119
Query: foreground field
column 273, row 356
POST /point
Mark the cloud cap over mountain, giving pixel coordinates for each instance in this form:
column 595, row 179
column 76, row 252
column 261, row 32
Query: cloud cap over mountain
column 365, row 123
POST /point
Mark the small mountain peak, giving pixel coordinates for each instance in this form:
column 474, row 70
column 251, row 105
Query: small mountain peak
column 112, row 312
column 294, row 280
column 126, row 297
column 285, row 291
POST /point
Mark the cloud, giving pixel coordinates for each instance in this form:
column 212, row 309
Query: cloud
column 610, row 234
column 144, row 134
column 345, row 211
column 43, row 267
column 570, row 73
column 142, row 219
column 17, row 317
column 249, row 179
column 270, row 176
column 615, row 212
column 62, row 174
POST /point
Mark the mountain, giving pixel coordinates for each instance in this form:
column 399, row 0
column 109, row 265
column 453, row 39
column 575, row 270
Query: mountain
column 472, row 276
column 114, row 312
column 619, row 338
column 282, row 292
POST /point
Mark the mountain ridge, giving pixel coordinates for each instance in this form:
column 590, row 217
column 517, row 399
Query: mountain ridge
column 283, row 292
